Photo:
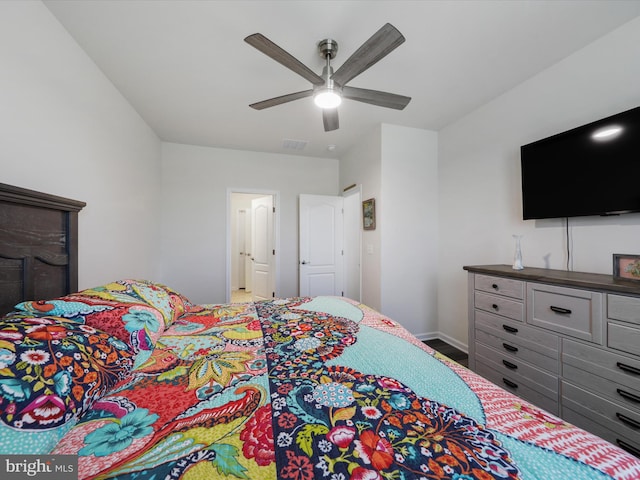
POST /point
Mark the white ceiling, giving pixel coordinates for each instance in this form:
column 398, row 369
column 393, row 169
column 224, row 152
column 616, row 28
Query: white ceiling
column 185, row 68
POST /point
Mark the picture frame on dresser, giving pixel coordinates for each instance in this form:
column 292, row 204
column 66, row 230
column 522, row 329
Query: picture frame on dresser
column 626, row 266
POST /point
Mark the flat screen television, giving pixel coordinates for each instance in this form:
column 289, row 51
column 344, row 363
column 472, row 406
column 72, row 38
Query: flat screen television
column 590, row 170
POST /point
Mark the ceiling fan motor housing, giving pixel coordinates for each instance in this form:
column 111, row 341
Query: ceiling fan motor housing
column 328, row 48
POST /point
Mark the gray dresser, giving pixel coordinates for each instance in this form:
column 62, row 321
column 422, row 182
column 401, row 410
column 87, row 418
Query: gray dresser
column 568, row 342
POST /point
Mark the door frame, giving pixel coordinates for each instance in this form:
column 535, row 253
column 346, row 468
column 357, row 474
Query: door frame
column 276, row 235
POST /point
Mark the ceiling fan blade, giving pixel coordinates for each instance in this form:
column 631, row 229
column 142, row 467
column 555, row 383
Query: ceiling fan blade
column 383, row 42
column 272, row 102
column 272, row 50
column 375, row 97
column 330, row 119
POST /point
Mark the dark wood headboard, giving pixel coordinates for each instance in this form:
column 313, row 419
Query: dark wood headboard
column 38, row 246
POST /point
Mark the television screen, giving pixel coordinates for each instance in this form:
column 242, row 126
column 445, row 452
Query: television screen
column 590, row 170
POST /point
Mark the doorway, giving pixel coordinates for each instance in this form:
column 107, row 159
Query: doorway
column 252, row 237
column 329, row 245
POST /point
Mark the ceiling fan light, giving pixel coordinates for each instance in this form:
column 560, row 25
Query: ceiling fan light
column 327, row 98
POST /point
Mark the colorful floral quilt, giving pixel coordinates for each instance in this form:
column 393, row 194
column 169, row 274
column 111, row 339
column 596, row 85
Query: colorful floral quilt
column 296, row 389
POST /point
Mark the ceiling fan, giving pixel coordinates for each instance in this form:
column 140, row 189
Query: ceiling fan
column 330, row 88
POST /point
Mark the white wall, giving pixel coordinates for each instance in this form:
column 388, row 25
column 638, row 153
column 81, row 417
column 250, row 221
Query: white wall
column 362, row 166
column 398, row 166
column 195, row 181
column 479, row 172
column 408, row 220
column 67, row 131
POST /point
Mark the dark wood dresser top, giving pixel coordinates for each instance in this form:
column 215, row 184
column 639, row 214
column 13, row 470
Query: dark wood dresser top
column 594, row 281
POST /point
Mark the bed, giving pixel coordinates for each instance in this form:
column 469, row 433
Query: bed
column 141, row 383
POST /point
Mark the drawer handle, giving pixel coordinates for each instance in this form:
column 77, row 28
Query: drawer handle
column 563, row 311
column 511, row 348
column 510, row 329
column 495, row 307
column 628, row 368
column 495, row 286
column 627, row 447
column 629, row 421
column 509, row 383
column 509, row 365
column 628, row 396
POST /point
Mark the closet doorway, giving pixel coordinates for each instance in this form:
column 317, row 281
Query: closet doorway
column 252, row 268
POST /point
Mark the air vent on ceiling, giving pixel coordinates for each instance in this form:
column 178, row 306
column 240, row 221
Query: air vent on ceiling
column 289, row 144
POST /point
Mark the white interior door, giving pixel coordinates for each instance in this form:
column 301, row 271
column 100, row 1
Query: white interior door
column 321, row 245
column 241, row 254
column 262, row 249
column 248, row 265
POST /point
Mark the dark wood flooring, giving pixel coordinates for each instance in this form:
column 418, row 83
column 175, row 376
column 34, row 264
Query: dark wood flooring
column 450, row 351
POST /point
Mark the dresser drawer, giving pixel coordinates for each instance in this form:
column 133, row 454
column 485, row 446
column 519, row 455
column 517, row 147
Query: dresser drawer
column 584, row 422
column 516, row 351
column 500, row 305
column 623, row 337
column 573, row 312
column 601, row 371
column 608, row 414
column 500, row 286
column 526, row 390
column 519, row 341
column 521, row 371
column 621, row 307
column 623, row 395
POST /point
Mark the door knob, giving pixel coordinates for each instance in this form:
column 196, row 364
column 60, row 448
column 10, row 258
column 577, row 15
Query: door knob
column 303, row 262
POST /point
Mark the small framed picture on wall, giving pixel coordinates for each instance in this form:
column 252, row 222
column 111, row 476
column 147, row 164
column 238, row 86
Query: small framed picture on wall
column 369, row 214
column 626, row 266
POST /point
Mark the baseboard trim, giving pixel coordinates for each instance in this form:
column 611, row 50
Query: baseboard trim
column 453, row 342
column 426, row 336
column 446, row 338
